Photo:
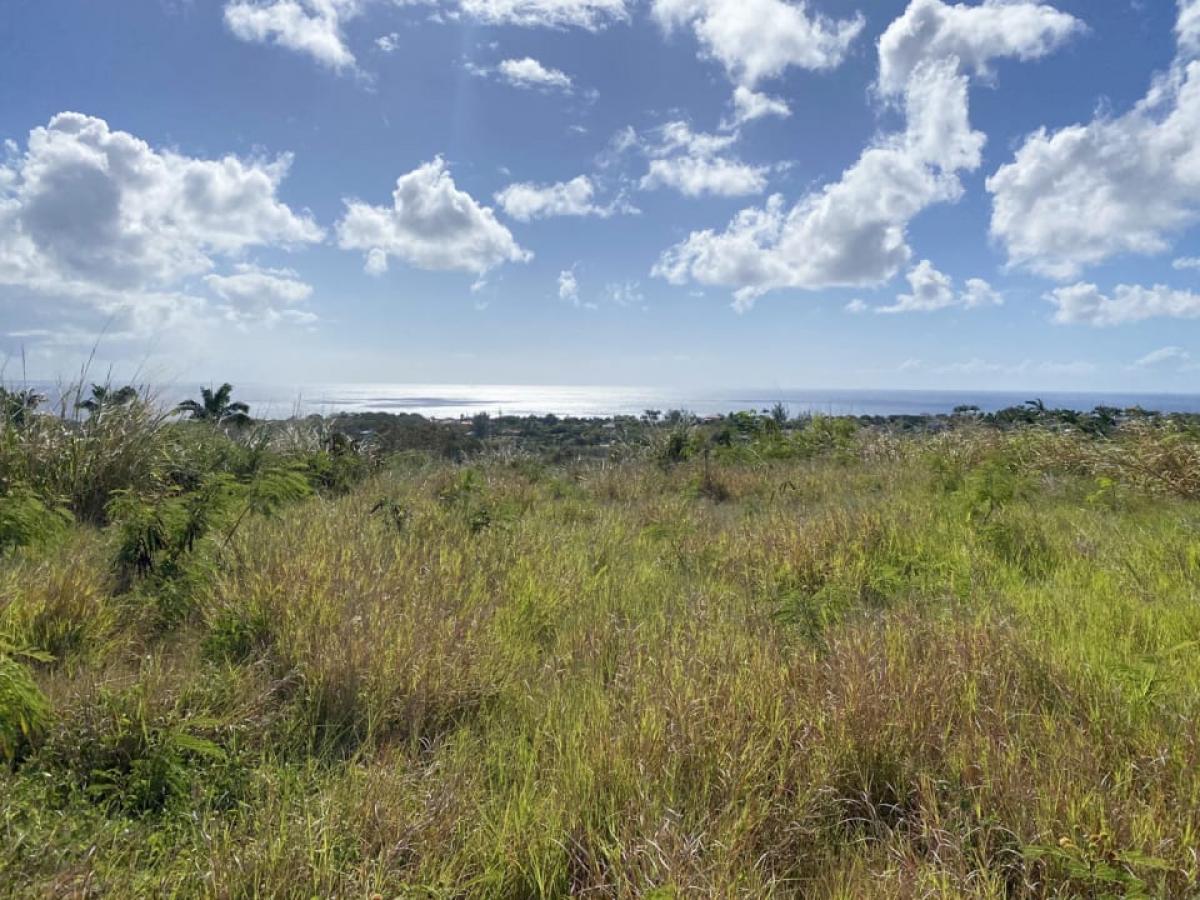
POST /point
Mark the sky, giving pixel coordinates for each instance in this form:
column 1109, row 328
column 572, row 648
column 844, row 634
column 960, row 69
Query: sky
column 834, row 193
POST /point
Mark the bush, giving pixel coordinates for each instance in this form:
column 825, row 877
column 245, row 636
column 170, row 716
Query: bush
column 25, row 520
column 131, row 752
column 24, row 709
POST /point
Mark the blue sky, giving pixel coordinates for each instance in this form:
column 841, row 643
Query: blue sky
column 878, row 193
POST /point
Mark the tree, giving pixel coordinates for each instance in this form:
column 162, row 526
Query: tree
column 17, row 407
column 216, row 407
column 481, row 425
column 104, row 397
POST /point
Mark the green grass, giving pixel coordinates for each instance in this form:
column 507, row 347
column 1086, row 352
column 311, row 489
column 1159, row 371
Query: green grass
column 960, row 666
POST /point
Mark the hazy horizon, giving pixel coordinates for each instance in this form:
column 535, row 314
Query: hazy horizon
column 454, row 401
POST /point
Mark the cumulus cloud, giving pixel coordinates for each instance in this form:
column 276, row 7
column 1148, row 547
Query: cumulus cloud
column 1186, row 262
column 1187, row 28
column 759, row 39
column 100, row 217
column 525, row 201
column 311, row 27
column 430, row 224
column 1075, row 197
column 254, row 294
column 696, row 176
column 933, row 290
column 974, row 35
column 691, row 163
column 1164, row 355
column 591, row 15
column 749, row 105
column 1084, row 304
column 854, row 231
column 529, row 73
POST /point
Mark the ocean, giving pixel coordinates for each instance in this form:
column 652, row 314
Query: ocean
column 445, row 401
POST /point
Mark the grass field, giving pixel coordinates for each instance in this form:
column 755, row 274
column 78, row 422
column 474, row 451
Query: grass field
column 964, row 665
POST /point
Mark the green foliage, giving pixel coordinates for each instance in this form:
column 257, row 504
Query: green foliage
column 17, row 407
column 1021, row 542
column 104, row 397
column 801, row 656
column 81, row 464
column 24, row 710
column 129, row 756
column 1097, row 866
column 674, row 443
column 216, row 407
column 989, row 489
column 238, row 635
column 25, row 520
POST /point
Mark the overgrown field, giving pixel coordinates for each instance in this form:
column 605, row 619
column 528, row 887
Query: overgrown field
column 964, row 665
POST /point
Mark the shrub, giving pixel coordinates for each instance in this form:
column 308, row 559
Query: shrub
column 132, row 752
column 61, row 605
column 25, row 520
column 85, row 461
column 24, row 709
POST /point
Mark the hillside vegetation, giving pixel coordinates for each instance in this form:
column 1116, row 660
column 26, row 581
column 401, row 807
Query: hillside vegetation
column 756, row 657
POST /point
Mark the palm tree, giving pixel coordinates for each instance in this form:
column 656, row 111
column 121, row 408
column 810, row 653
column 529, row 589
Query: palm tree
column 216, row 407
column 104, row 397
column 16, row 407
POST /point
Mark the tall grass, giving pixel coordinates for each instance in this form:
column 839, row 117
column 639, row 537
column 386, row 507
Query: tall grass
column 953, row 666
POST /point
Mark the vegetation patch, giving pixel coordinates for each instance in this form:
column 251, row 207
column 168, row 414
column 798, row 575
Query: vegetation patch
column 756, row 656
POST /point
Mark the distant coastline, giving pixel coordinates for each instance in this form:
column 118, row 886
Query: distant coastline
column 450, row 401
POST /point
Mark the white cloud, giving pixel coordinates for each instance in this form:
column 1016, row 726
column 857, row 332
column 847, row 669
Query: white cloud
column 431, row 224
column 856, row 307
column 933, row 290
column 592, row 15
column 1075, row 197
column 1084, row 304
column 1187, row 28
column 568, row 287
column 376, row 262
column 853, row 232
column 977, row 366
column 980, row 293
column 529, row 73
column 525, row 201
column 628, row 293
column 678, row 137
column 316, row 27
column 1158, row 357
column 1186, row 262
column 689, row 162
column 974, row 35
column 312, row 27
column 254, row 294
column 759, row 39
column 100, row 217
column 697, row 176
column 749, row 106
